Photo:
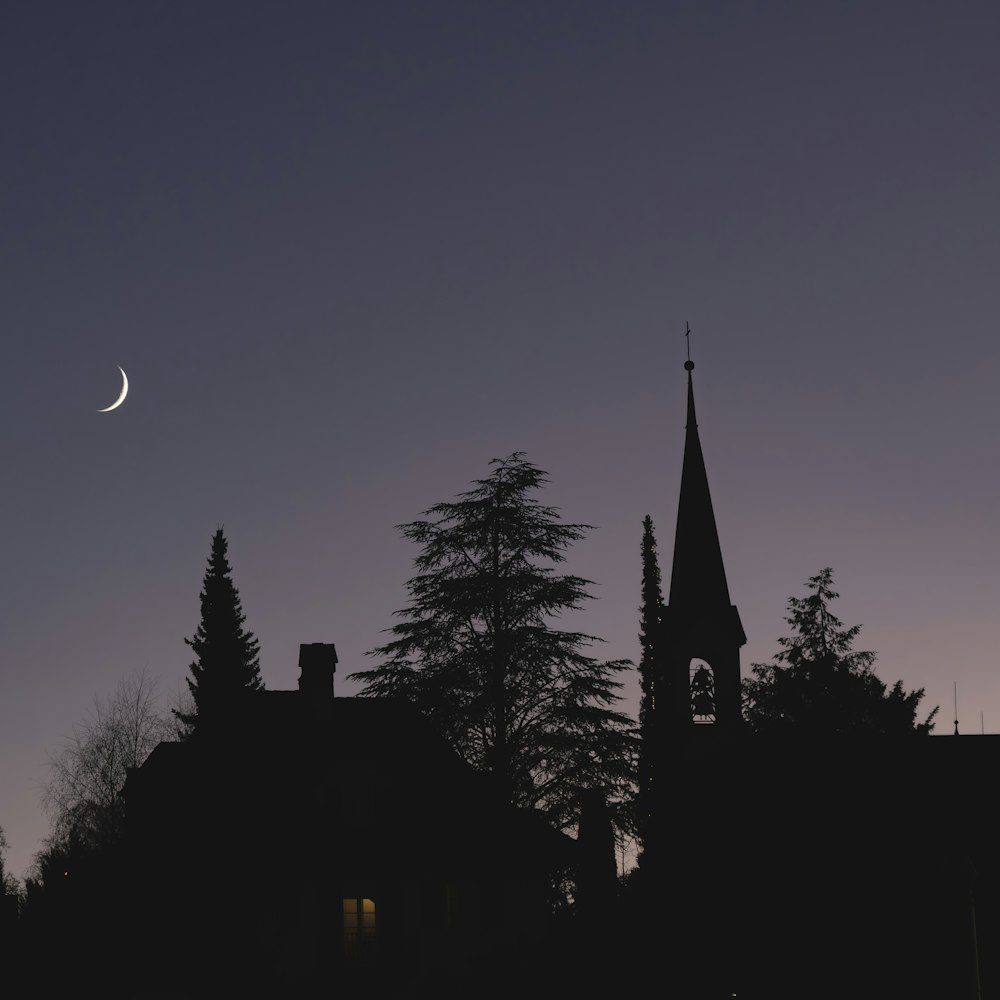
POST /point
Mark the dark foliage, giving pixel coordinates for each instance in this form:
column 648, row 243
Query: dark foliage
column 10, row 901
column 87, row 773
column 72, row 901
column 226, row 653
column 650, row 626
column 819, row 683
column 9, row 886
column 72, row 912
column 597, row 875
column 476, row 650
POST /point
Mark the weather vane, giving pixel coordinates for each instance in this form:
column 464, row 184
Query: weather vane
column 689, row 364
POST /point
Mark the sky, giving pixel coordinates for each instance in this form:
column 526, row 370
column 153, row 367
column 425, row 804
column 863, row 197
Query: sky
column 347, row 253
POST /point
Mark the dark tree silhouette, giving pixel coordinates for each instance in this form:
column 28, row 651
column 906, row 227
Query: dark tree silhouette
column 597, row 879
column 87, row 773
column 650, row 627
column 819, row 683
column 477, row 653
column 226, row 653
column 72, row 893
column 10, row 904
column 10, row 888
column 71, row 908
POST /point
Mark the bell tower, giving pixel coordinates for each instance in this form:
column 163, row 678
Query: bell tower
column 691, row 882
column 702, row 633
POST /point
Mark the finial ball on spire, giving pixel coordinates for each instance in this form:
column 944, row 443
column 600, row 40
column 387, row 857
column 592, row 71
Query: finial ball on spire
column 688, row 366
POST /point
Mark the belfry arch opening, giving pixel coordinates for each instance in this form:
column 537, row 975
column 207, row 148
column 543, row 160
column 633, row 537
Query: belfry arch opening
column 701, row 683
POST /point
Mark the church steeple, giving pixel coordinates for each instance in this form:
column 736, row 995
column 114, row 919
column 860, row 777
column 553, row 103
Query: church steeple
column 702, row 629
column 698, row 577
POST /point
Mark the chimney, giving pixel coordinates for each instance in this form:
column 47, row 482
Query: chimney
column 317, row 665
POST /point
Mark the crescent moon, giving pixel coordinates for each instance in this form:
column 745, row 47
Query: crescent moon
column 121, row 398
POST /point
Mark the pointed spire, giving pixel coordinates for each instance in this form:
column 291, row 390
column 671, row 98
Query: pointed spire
column 698, row 578
column 702, row 632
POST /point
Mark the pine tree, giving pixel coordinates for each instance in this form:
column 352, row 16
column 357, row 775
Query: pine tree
column 650, row 628
column 819, row 683
column 478, row 655
column 226, row 655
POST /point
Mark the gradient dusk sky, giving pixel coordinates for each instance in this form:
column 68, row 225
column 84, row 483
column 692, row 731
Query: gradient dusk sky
column 348, row 252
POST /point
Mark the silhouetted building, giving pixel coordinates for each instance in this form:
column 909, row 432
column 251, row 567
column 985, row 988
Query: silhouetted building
column 702, row 631
column 801, row 866
column 312, row 843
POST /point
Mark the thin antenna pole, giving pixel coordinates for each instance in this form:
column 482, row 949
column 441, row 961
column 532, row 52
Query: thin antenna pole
column 687, row 338
column 956, row 707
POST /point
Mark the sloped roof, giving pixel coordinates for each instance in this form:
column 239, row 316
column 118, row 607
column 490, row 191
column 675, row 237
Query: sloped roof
column 379, row 759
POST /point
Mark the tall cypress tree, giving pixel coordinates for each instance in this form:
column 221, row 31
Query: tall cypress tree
column 226, row 654
column 650, row 627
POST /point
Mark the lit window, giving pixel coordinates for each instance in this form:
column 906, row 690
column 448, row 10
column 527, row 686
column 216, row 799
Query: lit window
column 359, row 931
